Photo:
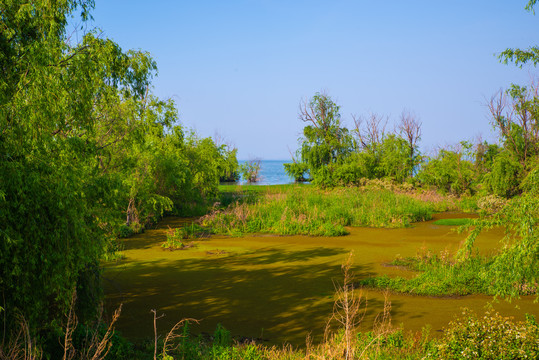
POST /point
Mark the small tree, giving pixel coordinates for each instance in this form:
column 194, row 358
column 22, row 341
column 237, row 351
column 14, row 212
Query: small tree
column 517, row 118
column 410, row 129
column 250, row 169
column 324, row 140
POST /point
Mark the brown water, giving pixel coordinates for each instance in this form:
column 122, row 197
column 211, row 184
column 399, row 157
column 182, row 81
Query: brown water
column 280, row 288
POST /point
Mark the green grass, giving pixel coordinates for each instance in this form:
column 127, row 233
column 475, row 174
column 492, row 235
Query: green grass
column 437, row 278
column 307, row 210
column 454, row 222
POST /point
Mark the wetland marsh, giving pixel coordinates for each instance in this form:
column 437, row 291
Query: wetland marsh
column 281, row 288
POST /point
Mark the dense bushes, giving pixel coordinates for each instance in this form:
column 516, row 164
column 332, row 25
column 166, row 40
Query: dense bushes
column 491, row 336
column 86, row 153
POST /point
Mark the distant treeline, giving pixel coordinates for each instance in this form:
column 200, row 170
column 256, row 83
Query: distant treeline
column 331, row 154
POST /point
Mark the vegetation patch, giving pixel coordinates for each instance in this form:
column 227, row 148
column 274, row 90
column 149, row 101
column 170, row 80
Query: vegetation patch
column 491, row 336
column 176, row 237
column 454, row 222
column 307, row 210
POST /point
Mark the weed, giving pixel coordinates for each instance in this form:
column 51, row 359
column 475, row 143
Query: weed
column 176, row 237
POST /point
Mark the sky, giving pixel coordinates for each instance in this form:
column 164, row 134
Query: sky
column 238, row 69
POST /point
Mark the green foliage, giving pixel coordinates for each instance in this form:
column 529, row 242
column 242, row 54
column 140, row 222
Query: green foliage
column 491, row 336
column 176, row 236
column 511, row 272
column 453, row 222
column 174, row 239
column 311, row 211
column 53, row 228
column 515, row 270
column 450, row 171
column 87, row 153
column 330, row 156
column 221, row 336
column 530, row 184
column 517, row 123
column 519, row 56
column 485, row 154
column 394, row 159
column 390, row 161
column 504, row 178
column 298, row 171
column 249, row 170
column 439, row 275
column 324, row 140
column 227, row 164
column 470, row 336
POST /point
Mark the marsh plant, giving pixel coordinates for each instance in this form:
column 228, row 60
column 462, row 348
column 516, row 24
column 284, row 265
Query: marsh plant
column 306, row 210
column 176, row 237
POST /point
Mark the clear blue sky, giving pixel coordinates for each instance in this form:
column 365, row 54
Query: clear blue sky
column 240, row 68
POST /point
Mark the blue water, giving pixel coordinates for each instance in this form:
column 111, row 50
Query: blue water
column 271, row 173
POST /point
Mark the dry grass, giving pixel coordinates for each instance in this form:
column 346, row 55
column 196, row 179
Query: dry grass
column 95, row 346
column 348, row 313
column 170, row 338
column 21, row 346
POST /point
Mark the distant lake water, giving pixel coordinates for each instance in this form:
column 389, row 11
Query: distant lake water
column 271, row 173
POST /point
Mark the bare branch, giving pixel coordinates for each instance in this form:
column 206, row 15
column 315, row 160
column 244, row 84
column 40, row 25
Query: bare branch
column 371, row 131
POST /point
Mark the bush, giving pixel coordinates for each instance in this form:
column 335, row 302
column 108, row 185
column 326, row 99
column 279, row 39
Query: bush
column 489, row 337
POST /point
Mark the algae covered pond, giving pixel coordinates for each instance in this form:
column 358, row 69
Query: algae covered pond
column 280, row 288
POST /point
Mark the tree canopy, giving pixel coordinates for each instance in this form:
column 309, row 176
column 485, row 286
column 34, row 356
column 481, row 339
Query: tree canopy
column 87, row 153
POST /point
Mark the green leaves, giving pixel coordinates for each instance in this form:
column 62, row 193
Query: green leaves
column 518, row 56
column 84, row 148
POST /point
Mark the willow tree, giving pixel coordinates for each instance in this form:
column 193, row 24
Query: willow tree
column 54, row 96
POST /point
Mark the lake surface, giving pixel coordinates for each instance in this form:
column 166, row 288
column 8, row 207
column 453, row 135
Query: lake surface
column 271, row 173
column 281, row 288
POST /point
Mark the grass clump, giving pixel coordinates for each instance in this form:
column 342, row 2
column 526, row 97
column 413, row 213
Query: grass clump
column 176, row 237
column 437, row 277
column 307, row 210
column 454, row 222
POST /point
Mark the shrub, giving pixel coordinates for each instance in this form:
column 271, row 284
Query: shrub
column 489, row 337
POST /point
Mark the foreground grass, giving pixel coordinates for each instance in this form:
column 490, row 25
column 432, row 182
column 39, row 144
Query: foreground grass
column 307, row 210
column 470, row 336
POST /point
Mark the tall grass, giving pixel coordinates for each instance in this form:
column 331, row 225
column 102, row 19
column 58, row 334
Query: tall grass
column 437, row 277
column 306, row 210
column 512, row 271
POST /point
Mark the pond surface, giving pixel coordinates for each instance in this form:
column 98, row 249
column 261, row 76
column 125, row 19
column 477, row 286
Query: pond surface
column 280, row 288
